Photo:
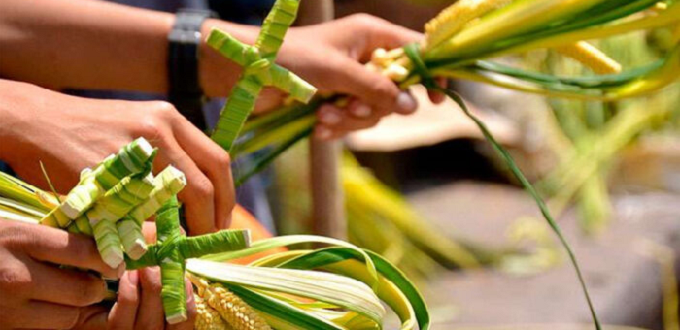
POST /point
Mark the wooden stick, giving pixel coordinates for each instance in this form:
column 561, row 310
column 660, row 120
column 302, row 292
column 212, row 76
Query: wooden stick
column 328, row 202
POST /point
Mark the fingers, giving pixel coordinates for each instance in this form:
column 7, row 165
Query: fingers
column 124, row 312
column 199, row 194
column 380, row 34
column 383, row 34
column 150, row 313
column 216, row 164
column 160, row 127
column 335, row 122
column 149, row 231
column 65, row 287
column 372, row 88
column 59, row 247
column 42, row 315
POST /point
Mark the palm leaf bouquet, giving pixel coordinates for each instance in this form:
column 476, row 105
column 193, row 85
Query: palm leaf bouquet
column 589, row 137
column 465, row 42
column 338, row 287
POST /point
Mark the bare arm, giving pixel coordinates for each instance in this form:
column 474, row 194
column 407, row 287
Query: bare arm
column 91, row 44
column 69, row 133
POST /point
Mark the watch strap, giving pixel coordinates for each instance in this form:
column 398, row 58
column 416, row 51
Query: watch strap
column 185, row 90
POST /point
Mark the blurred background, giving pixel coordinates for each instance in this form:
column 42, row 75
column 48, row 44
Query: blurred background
column 427, row 192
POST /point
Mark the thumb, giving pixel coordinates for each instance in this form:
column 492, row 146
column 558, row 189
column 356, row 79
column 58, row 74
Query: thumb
column 59, row 247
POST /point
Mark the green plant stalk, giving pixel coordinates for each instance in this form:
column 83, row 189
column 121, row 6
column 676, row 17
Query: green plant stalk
column 618, row 134
column 264, row 160
column 331, row 257
column 407, row 303
column 579, row 15
column 333, row 289
column 131, row 237
column 357, row 182
column 668, row 17
column 116, row 203
column 582, row 25
column 166, row 184
column 271, row 137
column 595, row 206
column 597, row 22
column 171, row 251
column 565, row 22
column 382, row 237
column 174, row 248
column 259, row 71
column 122, row 199
column 517, row 18
column 539, row 201
column 15, row 189
column 81, row 225
column 130, row 160
column 275, row 26
column 21, row 207
column 172, row 265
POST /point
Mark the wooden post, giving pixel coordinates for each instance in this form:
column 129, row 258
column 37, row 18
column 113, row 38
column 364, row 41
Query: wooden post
column 315, row 12
column 328, row 202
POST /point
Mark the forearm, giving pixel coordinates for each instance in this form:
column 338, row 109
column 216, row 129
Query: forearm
column 14, row 111
column 90, row 44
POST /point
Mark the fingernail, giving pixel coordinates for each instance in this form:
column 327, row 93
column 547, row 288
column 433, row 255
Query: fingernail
column 406, row 102
column 133, row 276
column 323, row 133
column 362, row 111
column 330, row 118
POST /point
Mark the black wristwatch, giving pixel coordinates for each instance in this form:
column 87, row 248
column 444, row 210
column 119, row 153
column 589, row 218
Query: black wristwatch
column 184, row 39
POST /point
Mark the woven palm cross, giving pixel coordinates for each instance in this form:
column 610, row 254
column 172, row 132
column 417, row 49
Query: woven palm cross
column 173, row 248
column 259, row 71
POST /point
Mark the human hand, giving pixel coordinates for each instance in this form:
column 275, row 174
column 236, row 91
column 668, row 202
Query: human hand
column 70, row 133
column 139, row 304
column 330, row 56
column 34, row 292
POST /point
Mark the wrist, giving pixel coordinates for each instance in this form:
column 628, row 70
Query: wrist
column 217, row 75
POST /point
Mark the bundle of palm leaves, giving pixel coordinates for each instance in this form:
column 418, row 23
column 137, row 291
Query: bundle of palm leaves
column 459, row 44
column 339, row 287
column 589, row 136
